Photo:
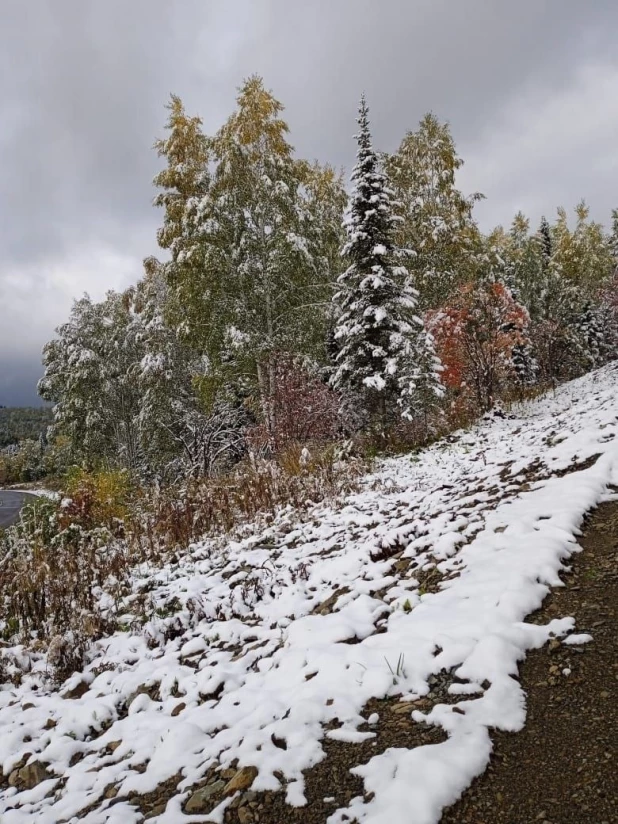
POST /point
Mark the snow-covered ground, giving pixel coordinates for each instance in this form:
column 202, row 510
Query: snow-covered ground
column 431, row 568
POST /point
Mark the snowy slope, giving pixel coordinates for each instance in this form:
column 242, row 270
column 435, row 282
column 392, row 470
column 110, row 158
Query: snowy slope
column 431, row 568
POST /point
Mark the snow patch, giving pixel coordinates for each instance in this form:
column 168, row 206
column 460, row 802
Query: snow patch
column 429, row 571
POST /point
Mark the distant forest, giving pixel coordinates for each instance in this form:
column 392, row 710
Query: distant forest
column 19, row 423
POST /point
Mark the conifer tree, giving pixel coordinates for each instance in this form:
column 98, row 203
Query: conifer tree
column 524, row 254
column 421, row 388
column 524, row 364
column 559, row 348
column 183, row 184
column 558, row 297
column 384, row 351
column 545, row 240
column 498, row 262
column 591, row 336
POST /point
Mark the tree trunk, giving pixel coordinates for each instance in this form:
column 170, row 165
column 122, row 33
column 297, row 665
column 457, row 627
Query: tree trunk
column 267, row 387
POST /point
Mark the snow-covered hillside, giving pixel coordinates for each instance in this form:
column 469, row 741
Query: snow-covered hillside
column 268, row 646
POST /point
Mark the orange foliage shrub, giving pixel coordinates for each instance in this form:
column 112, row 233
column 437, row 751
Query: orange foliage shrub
column 475, row 335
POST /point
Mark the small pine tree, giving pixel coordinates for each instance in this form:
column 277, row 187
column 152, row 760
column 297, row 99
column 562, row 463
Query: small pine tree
column 383, row 352
column 421, row 387
column 524, row 364
column 544, row 235
column 590, row 334
column 525, row 265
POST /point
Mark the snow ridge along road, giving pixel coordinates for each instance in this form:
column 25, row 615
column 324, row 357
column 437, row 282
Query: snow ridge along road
column 430, row 570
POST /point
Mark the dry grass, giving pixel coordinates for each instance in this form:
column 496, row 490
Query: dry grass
column 52, row 574
column 66, row 567
column 174, row 518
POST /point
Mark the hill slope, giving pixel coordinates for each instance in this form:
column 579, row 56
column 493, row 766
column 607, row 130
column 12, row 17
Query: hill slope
column 20, row 423
column 274, row 653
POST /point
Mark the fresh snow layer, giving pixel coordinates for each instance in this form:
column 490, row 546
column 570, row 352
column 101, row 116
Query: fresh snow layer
column 584, row 638
column 258, row 656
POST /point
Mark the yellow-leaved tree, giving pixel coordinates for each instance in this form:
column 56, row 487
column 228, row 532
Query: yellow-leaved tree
column 437, row 223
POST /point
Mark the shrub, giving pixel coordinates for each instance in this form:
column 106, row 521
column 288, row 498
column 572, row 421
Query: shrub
column 66, row 566
column 53, row 571
column 475, row 337
column 177, row 516
column 98, row 499
column 304, row 408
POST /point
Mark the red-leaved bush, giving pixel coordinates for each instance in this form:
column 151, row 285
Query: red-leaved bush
column 475, row 335
column 304, row 408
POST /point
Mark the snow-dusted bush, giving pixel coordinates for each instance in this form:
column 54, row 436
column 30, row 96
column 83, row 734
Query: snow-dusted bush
column 475, row 335
column 55, row 564
column 304, row 408
column 174, row 517
column 66, row 568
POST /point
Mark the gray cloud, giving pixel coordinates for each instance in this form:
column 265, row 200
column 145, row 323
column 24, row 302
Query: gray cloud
column 18, row 377
column 529, row 89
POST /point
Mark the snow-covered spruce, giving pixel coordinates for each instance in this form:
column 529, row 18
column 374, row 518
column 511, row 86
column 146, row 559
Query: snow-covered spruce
column 250, row 648
column 524, row 364
column 384, row 351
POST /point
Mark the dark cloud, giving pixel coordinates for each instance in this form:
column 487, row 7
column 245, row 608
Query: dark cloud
column 529, row 89
column 18, row 379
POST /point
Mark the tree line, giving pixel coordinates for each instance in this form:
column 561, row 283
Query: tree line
column 25, row 454
column 284, row 308
column 18, row 423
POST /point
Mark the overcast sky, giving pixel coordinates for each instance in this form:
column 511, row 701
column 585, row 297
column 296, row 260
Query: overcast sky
column 530, row 89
